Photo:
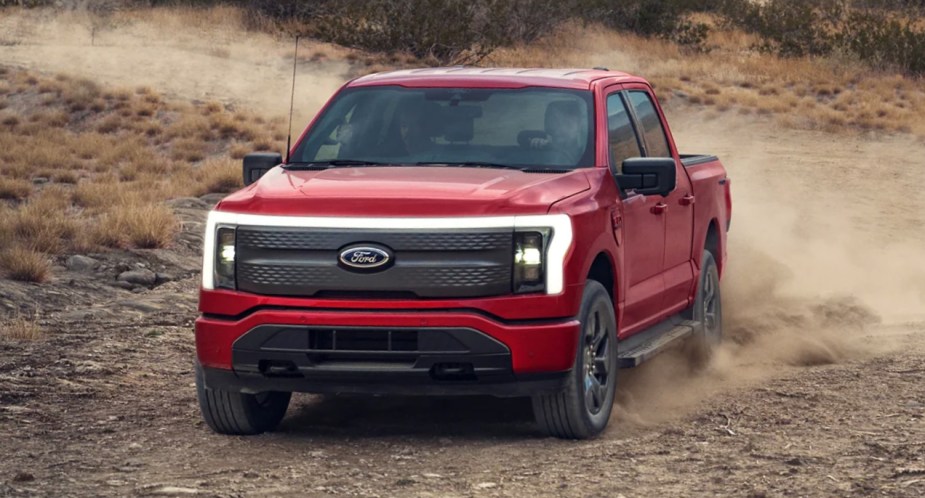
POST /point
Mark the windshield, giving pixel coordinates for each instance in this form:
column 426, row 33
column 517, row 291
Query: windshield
column 529, row 127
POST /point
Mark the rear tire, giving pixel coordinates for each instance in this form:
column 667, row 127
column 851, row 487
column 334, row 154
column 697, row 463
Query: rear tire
column 708, row 312
column 235, row 413
column 582, row 409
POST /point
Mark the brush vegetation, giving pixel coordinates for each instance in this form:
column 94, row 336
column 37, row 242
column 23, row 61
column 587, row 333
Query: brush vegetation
column 85, row 168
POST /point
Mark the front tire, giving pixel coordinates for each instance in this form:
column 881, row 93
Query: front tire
column 236, row 413
column 582, row 409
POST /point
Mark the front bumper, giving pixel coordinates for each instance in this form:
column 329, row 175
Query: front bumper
column 411, row 352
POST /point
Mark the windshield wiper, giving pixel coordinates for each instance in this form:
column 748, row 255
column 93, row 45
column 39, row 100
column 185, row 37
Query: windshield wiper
column 471, row 164
column 333, row 163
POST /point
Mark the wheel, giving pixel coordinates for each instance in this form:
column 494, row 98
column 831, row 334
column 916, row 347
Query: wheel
column 230, row 412
column 581, row 410
column 708, row 312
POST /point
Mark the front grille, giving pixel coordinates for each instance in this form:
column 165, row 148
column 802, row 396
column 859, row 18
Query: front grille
column 327, row 239
column 425, row 263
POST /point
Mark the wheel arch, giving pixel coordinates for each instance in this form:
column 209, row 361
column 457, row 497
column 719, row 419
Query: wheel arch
column 713, row 243
column 602, row 271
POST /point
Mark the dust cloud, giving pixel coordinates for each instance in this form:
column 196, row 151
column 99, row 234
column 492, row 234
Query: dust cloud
column 825, row 257
column 188, row 54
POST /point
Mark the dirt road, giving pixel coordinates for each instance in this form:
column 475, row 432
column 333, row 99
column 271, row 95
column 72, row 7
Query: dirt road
column 819, row 390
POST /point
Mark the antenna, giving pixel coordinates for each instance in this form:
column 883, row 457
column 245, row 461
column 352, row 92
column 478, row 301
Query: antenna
column 295, row 60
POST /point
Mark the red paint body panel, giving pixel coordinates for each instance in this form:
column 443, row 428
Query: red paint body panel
column 654, row 258
column 404, row 191
column 534, row 348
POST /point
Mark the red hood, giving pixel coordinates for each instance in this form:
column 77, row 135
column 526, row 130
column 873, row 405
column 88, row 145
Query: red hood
column 405, row 191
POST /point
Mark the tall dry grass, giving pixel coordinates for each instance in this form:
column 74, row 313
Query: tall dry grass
column 833, row 94
column 85, row 168
column 20, row 328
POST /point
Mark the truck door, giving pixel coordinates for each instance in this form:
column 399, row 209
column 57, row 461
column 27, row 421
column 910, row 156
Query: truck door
column 640, row 229
column 679, row 205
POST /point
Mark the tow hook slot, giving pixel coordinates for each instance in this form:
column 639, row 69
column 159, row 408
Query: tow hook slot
column 278, row 368
column 453, row 371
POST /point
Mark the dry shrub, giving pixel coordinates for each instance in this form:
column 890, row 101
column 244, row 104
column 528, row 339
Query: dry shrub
column 21, row 328
column 9, row 120
column 65, row 177
column 25, row 265
column 188, row 149
column 218, row 175
column 190, row 126
column 110, row 124
column 144, row 226
column 13, row 188
column 44, row 223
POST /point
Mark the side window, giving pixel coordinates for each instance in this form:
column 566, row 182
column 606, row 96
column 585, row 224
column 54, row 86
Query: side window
column 621, row 136
column 651, row 124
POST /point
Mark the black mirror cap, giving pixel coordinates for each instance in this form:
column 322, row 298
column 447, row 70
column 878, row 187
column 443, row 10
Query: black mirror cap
column 258, row 163
column 648, row 175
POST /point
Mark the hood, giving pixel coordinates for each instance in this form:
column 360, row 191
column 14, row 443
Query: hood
column 405, row 191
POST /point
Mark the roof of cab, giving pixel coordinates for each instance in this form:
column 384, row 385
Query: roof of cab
column 480, row 77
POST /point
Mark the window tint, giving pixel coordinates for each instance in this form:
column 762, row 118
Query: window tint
column 651, row 124
column 518, row 127
column 621, row 136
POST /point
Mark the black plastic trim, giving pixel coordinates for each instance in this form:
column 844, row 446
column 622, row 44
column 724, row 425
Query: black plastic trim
column 506, row 386
column 688, row 160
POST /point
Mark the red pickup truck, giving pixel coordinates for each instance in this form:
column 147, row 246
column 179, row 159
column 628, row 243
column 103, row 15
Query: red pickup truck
column 512, row 232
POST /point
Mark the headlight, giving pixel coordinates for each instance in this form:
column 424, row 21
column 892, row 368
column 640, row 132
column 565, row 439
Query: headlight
column 224, row 258
column 529, row 257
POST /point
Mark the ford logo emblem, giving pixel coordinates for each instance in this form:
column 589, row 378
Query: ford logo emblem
column 365, row 257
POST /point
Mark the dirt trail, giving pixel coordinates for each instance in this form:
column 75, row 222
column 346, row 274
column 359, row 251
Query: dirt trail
column 819, row 391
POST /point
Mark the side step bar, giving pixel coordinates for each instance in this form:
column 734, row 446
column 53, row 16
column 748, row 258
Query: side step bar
column 648, row 343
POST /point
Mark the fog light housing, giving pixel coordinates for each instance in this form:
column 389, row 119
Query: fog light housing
column 529, row 257
column 224, row 258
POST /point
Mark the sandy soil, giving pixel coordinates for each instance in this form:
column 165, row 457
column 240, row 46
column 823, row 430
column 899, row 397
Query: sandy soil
column 819, row 389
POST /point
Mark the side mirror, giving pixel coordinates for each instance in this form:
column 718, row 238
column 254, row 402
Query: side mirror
column 258, row 163
column 648, row 175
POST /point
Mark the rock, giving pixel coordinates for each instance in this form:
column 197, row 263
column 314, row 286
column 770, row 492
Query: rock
column 212, row 199
column 161, row 278
column 124, row 285
column 81, row 263
column 138, row 277
column 251, row 475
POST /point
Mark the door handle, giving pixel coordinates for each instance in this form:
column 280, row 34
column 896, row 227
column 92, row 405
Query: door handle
column 659, row 208
column 687, row 200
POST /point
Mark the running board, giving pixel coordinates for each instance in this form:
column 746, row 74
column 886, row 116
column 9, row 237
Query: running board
column 644, row 345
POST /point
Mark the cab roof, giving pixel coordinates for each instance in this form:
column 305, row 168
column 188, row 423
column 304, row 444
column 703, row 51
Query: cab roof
column 480, row 77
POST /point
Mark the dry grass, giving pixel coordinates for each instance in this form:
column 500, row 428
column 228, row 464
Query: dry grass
column 20, row 328
column 108, row 158
column 26, row 265
column 15, row 189
column 829, row 94
column 145, row 226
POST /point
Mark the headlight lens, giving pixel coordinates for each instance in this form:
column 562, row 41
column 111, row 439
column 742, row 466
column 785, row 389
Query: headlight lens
column 224, row 258
column 529, row 257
